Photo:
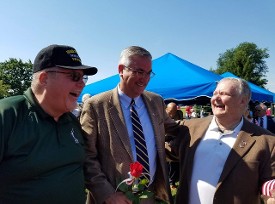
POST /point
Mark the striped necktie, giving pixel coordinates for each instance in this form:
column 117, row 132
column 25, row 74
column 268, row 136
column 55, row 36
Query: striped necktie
column 141, row 149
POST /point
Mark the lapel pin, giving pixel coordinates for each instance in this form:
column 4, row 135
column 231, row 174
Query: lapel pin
column 242, row 144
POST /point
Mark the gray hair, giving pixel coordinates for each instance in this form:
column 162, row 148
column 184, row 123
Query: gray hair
column 263, row 106
column 241, row 85
column 128, row 52
column 35, row 85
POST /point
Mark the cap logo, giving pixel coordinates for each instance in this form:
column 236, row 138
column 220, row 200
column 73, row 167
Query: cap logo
column 73, row 54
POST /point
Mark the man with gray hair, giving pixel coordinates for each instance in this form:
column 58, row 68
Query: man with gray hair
column 224, row 158
column 263, row 120
column 112, row 144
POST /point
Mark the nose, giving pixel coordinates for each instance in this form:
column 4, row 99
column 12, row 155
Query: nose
column 216, row 96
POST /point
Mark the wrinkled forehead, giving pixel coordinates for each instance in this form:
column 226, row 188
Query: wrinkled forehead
column 227, row 87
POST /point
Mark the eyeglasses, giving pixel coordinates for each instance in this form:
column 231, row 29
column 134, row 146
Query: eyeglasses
column 75, row 76
column 140, row 73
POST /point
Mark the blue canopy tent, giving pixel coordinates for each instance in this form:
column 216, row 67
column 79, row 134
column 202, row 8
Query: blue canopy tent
column 176, row 79
column 258, row 94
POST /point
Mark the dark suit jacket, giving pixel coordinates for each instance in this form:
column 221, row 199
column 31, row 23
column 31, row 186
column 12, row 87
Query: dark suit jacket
column 108, row 146
column 250, row 163
column 270, row 123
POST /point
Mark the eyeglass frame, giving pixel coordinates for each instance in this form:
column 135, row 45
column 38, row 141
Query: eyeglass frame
column 74, row 76
column 140, row 73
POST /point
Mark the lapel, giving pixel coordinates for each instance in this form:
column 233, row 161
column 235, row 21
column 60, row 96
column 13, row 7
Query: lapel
column 117, row 118
column 241, row 147
column 155, row 117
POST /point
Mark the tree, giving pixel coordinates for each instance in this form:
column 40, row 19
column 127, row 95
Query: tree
column 246, row 61
column 15, row 77
column 3, row 90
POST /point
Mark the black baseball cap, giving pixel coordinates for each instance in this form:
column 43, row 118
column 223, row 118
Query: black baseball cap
column 62, row 56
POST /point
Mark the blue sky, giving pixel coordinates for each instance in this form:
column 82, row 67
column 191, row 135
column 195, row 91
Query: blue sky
column 197, row 31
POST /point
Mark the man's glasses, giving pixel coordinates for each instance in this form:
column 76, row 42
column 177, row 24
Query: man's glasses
column 140, row 73
column 75, row 76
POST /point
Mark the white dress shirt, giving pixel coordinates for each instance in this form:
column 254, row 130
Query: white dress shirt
column 209, row 160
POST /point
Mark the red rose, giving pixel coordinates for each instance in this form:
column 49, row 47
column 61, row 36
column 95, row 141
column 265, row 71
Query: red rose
column 136, row 169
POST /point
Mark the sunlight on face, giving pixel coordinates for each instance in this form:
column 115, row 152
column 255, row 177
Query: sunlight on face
column 131, row 84
column 64, row 92
column 226, row 102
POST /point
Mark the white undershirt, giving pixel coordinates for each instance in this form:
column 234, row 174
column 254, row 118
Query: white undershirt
column 209, row 160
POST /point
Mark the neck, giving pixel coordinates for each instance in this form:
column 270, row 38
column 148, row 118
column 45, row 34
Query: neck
column 226, row 126
column 47, row 108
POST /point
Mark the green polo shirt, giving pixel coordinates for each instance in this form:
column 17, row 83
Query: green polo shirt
column 41, row 160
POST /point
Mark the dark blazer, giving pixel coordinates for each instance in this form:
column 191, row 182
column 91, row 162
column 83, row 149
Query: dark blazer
column 270, row 123
column 250, row 163
column 109, row 152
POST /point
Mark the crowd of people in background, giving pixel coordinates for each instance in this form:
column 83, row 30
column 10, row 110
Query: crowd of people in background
column 53, row 150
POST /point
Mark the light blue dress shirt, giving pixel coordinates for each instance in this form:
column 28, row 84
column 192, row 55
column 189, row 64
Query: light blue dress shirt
column 147, row 127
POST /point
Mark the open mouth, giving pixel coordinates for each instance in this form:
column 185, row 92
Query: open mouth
column 74, row 94
column 219, row 106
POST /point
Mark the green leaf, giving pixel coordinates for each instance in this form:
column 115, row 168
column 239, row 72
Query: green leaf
column 146, row 194
column 141, row 187
column 130, row 195
column 134, row 199
column 124, row 187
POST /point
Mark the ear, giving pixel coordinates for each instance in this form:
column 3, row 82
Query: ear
column 244, row 101
column 120, row 69
column 43, row 78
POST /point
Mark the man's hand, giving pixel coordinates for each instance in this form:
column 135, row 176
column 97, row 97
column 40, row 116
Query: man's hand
column 270, row 201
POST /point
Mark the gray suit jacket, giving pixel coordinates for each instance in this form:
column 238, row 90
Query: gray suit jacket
column 108, row 146
column 250, row 163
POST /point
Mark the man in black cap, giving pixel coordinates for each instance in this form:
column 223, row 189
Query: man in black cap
column 41, row 143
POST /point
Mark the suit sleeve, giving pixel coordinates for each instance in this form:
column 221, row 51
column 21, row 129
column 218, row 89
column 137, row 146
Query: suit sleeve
column 95, row 180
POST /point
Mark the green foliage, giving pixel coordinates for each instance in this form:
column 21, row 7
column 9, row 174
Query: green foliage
column 246, row 61
column 3, row 89
column 136, row 191
column 15, row 77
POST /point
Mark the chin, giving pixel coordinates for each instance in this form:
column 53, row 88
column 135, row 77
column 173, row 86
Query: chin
column 71, row 106
column 218, row 113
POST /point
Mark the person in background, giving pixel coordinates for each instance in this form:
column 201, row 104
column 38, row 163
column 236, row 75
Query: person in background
column 173, row 111
column 193, row 113
column 77, row 111
column 41, row 142
column 268, row 112
column 224, row 158
column 261, row 119
column 111, row 143
column 173, row 166
column 188, row 111
column 247, row 115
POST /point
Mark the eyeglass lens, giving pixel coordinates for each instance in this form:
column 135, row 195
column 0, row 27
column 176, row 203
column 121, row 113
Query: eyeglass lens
column 141, row 73
column 75, row 76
